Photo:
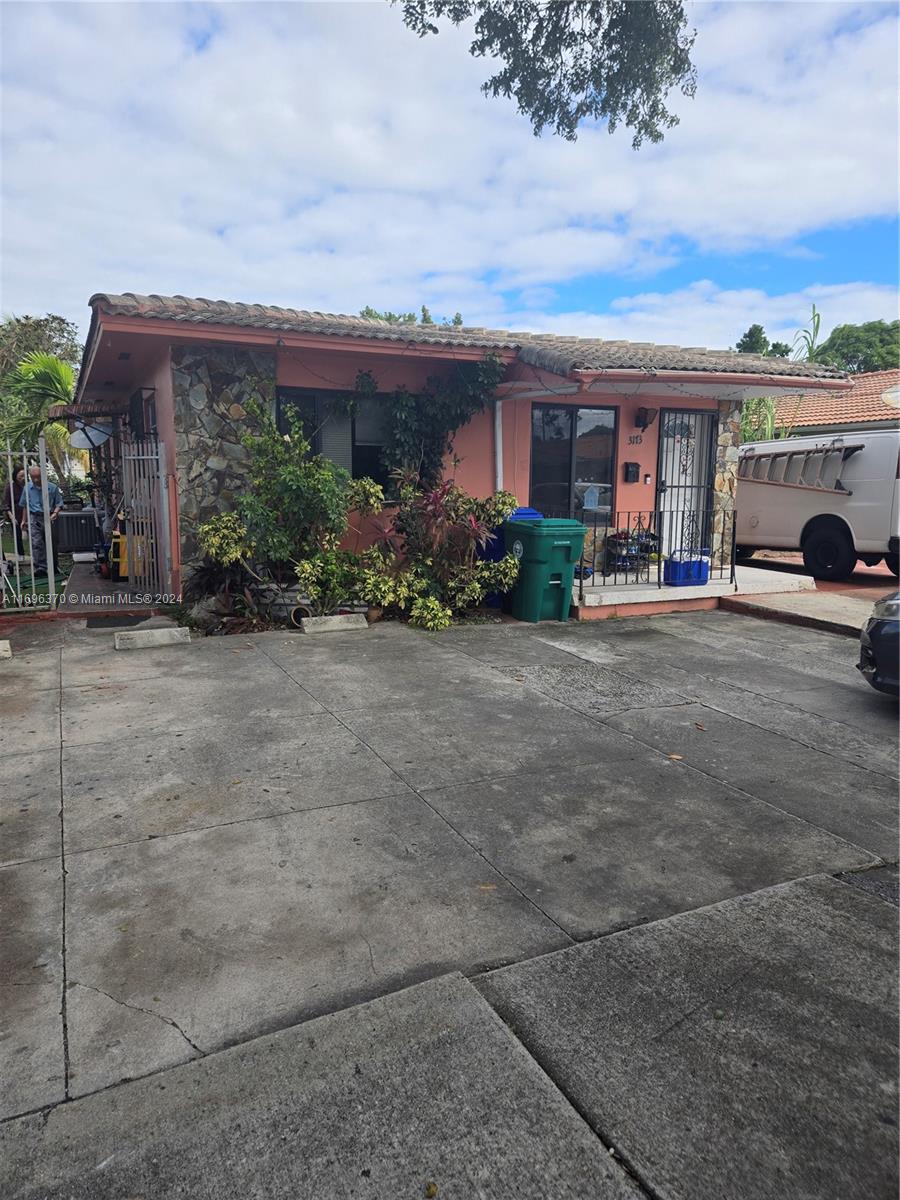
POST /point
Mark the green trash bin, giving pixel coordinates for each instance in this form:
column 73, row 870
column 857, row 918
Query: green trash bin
column 547, row 552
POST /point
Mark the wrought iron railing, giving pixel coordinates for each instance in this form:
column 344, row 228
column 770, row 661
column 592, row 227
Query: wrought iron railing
column 654, row 546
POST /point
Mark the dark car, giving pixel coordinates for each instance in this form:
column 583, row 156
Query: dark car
column 879, row 645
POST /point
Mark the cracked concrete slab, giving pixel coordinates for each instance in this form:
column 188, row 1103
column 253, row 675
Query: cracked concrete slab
column 32, row 1063
column 860, row 743
column 600, row 847
column 89, row 659
column 385, row 671
column 473, row 736
column 240, row 929
column 29, row 807
column 853, row 702
column 863, row 746
column 164, row 704
column 126, row 1040
column 32, row 669
column 593, row 689
column 748, row 1049
column 856, row 704
column 213, row 776
column 29, row 720
column 421, row 1093
column 503, row 646
column 858, row 805
column 789, row 643
column 301, row 656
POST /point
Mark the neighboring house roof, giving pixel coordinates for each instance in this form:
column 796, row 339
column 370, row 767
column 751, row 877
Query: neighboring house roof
column 863, row 404
column 548, row 351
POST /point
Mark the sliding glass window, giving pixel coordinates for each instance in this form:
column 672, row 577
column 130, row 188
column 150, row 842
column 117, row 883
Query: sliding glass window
column 573, row 454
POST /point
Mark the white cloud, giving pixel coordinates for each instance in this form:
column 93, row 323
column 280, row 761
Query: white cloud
column 706, row 315
column 319, row 155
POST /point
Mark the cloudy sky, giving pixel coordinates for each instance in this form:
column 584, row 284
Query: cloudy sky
column 321, row 156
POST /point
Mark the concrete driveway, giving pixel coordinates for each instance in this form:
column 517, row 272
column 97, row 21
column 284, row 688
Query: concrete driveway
column 209, row 843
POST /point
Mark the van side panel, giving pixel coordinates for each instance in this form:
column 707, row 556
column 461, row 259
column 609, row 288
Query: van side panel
column 772, row 516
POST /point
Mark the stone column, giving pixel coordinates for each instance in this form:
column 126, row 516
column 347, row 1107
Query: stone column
column 725, row 482
column 212, row 387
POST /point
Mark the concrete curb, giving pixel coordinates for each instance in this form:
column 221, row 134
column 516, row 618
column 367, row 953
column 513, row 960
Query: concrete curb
column 748, row 608
column 142, row 639
column 336, row 623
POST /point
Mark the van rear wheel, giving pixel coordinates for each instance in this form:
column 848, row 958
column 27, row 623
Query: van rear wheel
column 892, row 562
column 828, row 553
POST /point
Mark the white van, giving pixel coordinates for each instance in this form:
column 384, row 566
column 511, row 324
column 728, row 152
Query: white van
column 836, row 497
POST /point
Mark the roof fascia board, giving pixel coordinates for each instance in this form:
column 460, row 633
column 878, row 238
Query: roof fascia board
column 292, row 340
column 794, row 382
column 850, row 426
column 91, row 344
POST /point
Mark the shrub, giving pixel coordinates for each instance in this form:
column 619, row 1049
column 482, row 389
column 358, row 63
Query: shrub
column 365, row 496
column 224, row 539
column 297, row 508
column 296, row 501
column 441, row 531
column 328, row 579
column 427, row 612
column 295, row 511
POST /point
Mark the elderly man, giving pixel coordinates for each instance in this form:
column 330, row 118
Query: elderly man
column 32, row 505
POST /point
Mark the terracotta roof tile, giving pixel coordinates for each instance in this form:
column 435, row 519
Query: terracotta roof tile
column 863, row 404
column 548, row 351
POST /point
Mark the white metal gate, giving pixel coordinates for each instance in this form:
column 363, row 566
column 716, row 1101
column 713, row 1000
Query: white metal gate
column 24, row 584
column 145, row 503
column 687, row 443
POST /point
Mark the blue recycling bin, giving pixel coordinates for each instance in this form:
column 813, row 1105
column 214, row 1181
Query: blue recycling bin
column 496, row 549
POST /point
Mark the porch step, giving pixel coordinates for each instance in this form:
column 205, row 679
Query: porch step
column 649, row 593
column 748, row 581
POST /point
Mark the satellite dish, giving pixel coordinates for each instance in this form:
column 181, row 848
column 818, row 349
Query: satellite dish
column 892, row 397
column 90, row 435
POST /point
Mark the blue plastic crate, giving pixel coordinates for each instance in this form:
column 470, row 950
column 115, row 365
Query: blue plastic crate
column 686, row 572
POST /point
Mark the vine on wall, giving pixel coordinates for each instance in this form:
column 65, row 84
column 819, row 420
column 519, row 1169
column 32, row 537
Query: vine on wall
column 421, row 426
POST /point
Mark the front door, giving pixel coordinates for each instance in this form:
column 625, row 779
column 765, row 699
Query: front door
column 572, row 459
column 687, row 448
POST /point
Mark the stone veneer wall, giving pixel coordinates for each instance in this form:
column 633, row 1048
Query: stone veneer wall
column 725, row 482
column 212, row 386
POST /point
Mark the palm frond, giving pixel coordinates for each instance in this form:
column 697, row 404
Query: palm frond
column 37, row 384
column 43, row 380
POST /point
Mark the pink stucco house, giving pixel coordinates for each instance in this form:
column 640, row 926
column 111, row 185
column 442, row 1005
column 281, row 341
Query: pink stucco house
column 578, row 426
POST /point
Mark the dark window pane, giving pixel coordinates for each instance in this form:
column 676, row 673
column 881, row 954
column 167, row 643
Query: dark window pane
column 369, row 427
column 551, row 459
column 595, row 451
column 367, row 464
column 370, row 421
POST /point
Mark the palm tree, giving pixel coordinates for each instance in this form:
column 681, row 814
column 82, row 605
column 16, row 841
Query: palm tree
column 805, row 345
column 37, row 384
